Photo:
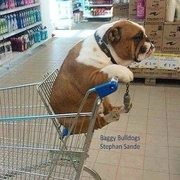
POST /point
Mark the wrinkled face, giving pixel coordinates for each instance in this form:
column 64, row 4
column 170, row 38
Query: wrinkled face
column 143, row 47
column 129, row 42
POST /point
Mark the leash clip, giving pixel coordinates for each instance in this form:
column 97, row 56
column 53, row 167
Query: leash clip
column 127, row 99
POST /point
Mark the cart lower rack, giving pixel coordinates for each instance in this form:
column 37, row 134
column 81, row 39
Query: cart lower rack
column 33, row 145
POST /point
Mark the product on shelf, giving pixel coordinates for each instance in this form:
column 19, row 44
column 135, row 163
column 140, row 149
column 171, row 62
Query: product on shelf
column 18, row 44
column 3, row 26
column 177, row 12
column 141, row 7
column 11, row 4
column 5, row 48
column 148, row 10
column 77, row 16
column 97, row 2
column 98, row 9
column 19, row 20
column 26, row 40
column 1, row 50
column 28, row 17
column 3, row 5
column 20, row 28
column 40, row 33
column 170, row 10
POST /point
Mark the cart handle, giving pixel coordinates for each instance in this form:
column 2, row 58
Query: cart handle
column 106, row 88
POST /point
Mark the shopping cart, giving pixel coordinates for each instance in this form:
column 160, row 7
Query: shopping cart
column 33, row 145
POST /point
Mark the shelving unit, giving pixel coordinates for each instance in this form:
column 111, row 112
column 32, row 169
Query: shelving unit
column 66, row 13
column 7, row 35
column 19, row 9
column 7, row 58
column 64, row 16
column 98, row 9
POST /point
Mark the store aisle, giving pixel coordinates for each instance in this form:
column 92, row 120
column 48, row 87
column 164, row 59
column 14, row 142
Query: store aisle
column 152, row 125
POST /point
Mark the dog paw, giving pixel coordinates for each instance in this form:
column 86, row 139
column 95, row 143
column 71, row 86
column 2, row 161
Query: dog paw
column 121, row 72
column 114, row 115
column 125, row 75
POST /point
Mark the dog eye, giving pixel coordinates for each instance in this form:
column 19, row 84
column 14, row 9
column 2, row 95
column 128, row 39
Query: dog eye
column 138, row 37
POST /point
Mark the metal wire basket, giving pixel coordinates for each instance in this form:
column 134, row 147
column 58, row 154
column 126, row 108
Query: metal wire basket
column 33, row 145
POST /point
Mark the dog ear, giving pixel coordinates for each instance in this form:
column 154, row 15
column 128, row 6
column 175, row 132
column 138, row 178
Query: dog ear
column 113, row 35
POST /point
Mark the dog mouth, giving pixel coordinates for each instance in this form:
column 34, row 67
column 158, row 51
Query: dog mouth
column 150, row 51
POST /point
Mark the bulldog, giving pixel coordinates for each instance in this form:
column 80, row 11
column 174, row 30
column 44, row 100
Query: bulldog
column 103, row 55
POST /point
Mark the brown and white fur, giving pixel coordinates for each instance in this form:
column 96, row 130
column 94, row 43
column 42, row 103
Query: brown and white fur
column 86, row 66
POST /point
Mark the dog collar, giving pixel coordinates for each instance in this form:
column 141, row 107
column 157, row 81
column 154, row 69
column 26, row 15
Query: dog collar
column 103, row 47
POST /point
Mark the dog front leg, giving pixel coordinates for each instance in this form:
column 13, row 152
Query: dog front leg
column 119, row 71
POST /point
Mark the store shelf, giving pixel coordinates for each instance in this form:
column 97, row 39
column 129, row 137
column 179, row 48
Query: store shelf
column 98, row 16
column 18, row 9
column 159, row 65
column 98, row 9
column 5, row 59
column 155, row 73
column 99, row 5
column 107, row 13
column 7, row 35
column 76, row 9
column 11, row 56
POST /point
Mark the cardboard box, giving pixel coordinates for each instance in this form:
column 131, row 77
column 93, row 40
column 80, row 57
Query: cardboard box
column 171, row 37
column 120, row 9
column 132, row 9
column 155, row 10
column 154, row 32
column 139, row 21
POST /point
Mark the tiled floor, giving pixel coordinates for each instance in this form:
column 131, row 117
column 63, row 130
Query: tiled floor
column 154, row 119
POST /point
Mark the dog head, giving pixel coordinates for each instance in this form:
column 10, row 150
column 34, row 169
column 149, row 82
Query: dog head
column 126, row 41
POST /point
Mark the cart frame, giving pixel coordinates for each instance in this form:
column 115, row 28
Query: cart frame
column 29, row 127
